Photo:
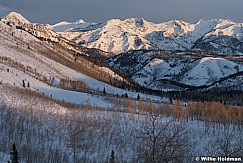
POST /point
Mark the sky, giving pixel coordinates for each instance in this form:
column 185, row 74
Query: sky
column 53, row 11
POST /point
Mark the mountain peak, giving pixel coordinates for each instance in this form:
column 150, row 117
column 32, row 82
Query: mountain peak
column 80, row 21
column 138, row 21
column 62, row 23
column 15, row 17
column 178, row 23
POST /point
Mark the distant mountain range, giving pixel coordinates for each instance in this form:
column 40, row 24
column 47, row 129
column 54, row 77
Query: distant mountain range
column 174, row 55
column 116, row 36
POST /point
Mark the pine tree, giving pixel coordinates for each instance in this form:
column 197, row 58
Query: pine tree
column 112, row 158
column 28, row 84
column 138, row 97
column 104, row 91
column 14, row 155
column 23, row 83
column 171, row 101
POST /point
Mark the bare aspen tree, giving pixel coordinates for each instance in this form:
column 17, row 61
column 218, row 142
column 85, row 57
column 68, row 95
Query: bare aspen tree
column 74, row 141
column 227, row 144
column 162, row 141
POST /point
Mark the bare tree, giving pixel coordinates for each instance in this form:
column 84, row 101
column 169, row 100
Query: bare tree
column 228, row 144
column 162, row 141
column 75, row 141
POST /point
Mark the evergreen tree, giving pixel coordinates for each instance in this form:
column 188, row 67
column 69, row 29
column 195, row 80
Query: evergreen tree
column 23, row 83
column 126, row 95
column 28, row 84
column 171, row 101
column 224, row 103
column 112, row 158
column 138, row 97
column 104, row 91
column 14, row 155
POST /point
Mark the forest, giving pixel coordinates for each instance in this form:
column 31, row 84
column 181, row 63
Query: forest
column 47, row 130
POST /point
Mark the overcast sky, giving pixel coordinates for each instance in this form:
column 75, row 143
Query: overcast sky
column 53, row 11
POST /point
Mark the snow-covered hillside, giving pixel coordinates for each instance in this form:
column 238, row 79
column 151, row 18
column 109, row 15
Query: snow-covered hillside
column 217, row 35
column 177, row 71
column 60, row 134
column 210, row 69
column 39, row 30
column 27, row 61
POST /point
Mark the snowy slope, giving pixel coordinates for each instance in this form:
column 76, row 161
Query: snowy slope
column 39, row 30
column 176, row 71
column 4, row 157
column 116, row 35
column 15, row 77
column 209, row 70
column 25, row 57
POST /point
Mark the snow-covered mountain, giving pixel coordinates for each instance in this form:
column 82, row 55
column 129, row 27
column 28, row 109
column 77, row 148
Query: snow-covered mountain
column 32, row 63
column 79, row 25
column 155, row 69
column 116, row 36
column 179, row 71
column 15, row 18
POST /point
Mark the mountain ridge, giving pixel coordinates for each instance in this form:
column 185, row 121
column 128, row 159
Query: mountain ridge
column 115, row 36
column 156, row 66
column 179, row 71
column 118, row 36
